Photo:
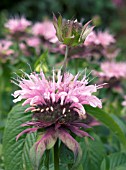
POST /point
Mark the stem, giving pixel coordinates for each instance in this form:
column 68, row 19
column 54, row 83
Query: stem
column 56, row 156
column 65, row 59
column 47, row 159
column 69, row 166
column 76, row 66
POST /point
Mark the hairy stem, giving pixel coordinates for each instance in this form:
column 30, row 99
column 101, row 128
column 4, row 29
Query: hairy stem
column 76, row 66
column 65, row 59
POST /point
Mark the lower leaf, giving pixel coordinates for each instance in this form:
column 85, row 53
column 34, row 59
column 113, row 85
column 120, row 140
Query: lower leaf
column 16, row 153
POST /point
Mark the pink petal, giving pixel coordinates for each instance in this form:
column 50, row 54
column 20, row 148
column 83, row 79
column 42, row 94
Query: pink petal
column 29, row 130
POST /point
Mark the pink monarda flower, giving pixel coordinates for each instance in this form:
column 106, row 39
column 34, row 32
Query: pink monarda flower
column 105, row 38
column 117, row 2
column 33, row 42
column 92, row 39
column 24, row 49
column 113, row 70
column 100, row 38
column 5, row 50
column 46, row 30
column 57, row 106
column 17, row 25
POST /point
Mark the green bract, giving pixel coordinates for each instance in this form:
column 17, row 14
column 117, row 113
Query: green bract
column 71, row 32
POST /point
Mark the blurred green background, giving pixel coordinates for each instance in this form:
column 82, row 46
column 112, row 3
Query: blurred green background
column 105, row 14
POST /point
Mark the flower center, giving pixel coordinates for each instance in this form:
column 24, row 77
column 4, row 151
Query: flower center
column 55, row 113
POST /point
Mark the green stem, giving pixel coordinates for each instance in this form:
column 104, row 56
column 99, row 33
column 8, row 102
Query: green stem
column 65, row 59
column 47, row 159
column 2, row 88
column 69, row 166
column 76, row 66
column 56, row 156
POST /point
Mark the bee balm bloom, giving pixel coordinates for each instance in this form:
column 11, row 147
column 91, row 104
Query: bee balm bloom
column 17, row 25
column 113, row 70
column 5, row 49
column 46, row 30
column 105, row 38
column 100, row 38
column 57, row 107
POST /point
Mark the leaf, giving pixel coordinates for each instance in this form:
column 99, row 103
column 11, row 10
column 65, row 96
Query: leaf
column 66, row 155
column 61, row 166
column 30, row 139
column 114, row 161
column 59, row 21
column 16, row 154
column 93, row 153
column 42, row 60
column 59, row 30
column 58, row 26
column 109, row 120
column 123, row 167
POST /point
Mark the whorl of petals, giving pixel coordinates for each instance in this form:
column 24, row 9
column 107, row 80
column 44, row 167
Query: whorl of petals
column 45, row 29
column 112, row 69
column 36, row 89
column 100, row 38
column 5, row 48
column 15, row 25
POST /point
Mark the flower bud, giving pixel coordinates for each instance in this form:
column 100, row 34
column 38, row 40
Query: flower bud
column 71, row 32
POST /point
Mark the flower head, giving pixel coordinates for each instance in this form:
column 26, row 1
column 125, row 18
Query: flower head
column 57, row 106
column 105, row 38
column 118, row 3
column 92, row 39
column 71, row 32
column 5, row 49
column 45, row 29
column 24, row 49
column 33, row 42
column 17, row 25
column 100, row 38
column 113, row 70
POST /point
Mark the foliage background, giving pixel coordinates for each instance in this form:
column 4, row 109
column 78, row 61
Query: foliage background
column 109, row 15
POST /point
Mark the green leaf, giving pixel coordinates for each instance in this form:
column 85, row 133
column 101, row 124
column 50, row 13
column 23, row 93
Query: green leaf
column 59, row 21
column 109, row 120
column 58, row 26
column 66, row 155
column 59, row 30
column 16, row 153
column 42, row 60
column 115, row 161
column 71, row 41
column 123, row 167
column 93, row 153
column 30, row 139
